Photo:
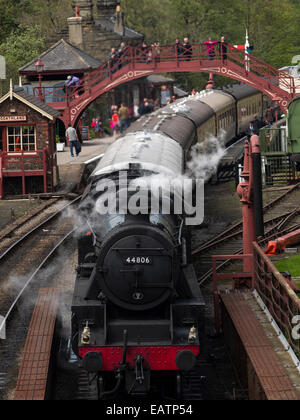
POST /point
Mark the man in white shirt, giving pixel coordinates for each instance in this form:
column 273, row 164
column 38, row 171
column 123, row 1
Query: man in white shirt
column 73, row 140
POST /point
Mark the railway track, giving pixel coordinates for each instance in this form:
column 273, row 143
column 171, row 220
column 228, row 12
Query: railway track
column 24, row 268
column 22, row 259
column 281, row 216
column 13, row 239
column 38, row 244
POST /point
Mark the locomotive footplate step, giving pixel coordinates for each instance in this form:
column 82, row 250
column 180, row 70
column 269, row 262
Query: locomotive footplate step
column 33, row 374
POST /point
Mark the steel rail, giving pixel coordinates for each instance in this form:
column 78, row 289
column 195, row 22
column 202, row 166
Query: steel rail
column 230, row 231
column 32, row 276
column 53, row 216
column 262, row 241
column 282, row 220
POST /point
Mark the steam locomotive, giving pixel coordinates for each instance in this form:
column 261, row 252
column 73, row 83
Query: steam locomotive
column 138, row 312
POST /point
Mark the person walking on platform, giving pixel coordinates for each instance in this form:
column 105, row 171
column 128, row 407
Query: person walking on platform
column 123, row 115
column 116, row 122
column 72, row 137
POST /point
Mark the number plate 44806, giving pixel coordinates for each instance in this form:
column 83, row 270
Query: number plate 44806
column 138, row 261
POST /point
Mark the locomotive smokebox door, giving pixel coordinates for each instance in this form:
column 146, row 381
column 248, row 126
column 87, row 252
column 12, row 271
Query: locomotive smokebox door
column 137, row 272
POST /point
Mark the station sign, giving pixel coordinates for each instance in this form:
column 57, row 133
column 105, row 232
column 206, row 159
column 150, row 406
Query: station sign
column 12, row 118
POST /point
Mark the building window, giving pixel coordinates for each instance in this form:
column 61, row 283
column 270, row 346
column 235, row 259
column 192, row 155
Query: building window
column 21, row 138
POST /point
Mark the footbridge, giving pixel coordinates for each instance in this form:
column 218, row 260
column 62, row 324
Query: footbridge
column 135, row 63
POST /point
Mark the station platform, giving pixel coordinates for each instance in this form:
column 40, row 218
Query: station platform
column 72, row 169
column 265, row 365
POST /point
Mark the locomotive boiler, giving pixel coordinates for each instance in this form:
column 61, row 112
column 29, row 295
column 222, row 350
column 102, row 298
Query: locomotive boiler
column 137, row 310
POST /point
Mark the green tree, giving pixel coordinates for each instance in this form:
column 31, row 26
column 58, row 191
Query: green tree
column 49, row 15
column 20, row 47
column 8, row 14
column 272, row 26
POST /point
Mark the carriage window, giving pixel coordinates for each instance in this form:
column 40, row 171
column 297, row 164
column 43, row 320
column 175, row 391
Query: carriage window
column 21, row 138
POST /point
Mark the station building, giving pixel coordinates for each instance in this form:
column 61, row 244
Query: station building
column 27, row 145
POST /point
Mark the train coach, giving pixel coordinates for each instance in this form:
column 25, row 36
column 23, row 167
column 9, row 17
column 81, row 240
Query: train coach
column 228, row 110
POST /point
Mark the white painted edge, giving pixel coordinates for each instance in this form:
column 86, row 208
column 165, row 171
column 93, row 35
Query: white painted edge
column 94, row 159
column 278, row 331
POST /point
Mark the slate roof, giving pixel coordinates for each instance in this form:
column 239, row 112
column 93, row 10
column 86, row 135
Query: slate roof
column 35, row 102
column 109, row 25
column 63, row 56
column 240, row 90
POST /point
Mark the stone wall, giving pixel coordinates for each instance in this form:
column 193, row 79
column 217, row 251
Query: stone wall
column 98, row 42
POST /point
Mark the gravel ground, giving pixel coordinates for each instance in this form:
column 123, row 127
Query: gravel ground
column 13, row 209
column 60, row 273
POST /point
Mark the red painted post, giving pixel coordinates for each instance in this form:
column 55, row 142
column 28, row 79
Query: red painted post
column 216, row 297
column 1, row 178
column 23, row 173
column 245, row 191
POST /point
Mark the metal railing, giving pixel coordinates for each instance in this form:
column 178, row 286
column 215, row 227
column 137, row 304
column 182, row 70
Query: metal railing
column 279, row 170
column 273, row 141
column 277, row 165
column 24, row 160
column 22, row 164
column 280, row 300
column 185, row 59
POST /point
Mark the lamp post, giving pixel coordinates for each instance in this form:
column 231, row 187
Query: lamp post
column 39, row 65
